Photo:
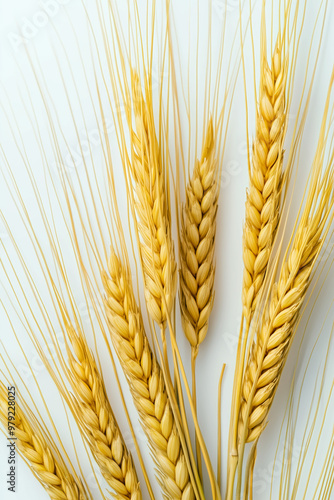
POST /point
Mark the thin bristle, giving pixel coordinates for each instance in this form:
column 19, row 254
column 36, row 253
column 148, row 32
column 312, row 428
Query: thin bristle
column 152, row 209
column 97, row 421
column 263, row 197
column 146, row 381
column 35, row 449
column 197, row 244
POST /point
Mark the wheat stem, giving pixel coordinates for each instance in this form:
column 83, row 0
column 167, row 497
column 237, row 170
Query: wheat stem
column 219, row 433
column 194, row 399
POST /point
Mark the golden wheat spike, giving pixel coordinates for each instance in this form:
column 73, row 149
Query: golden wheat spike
column 197, row 244
column 146, row 381
column 263, row 196
column 152, row 209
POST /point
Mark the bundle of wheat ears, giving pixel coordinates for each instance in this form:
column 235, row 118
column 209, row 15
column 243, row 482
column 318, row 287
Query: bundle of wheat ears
column 115, row 291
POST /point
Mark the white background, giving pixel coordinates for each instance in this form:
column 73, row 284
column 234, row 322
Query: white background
column 23, row 30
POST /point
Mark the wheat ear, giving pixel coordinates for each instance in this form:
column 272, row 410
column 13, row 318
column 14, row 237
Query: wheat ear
column 34, row 447
column 274, row 335
column 97, row 421
column 263, row 197
column 146, row 381
column 197, row 244
column 152, row 209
